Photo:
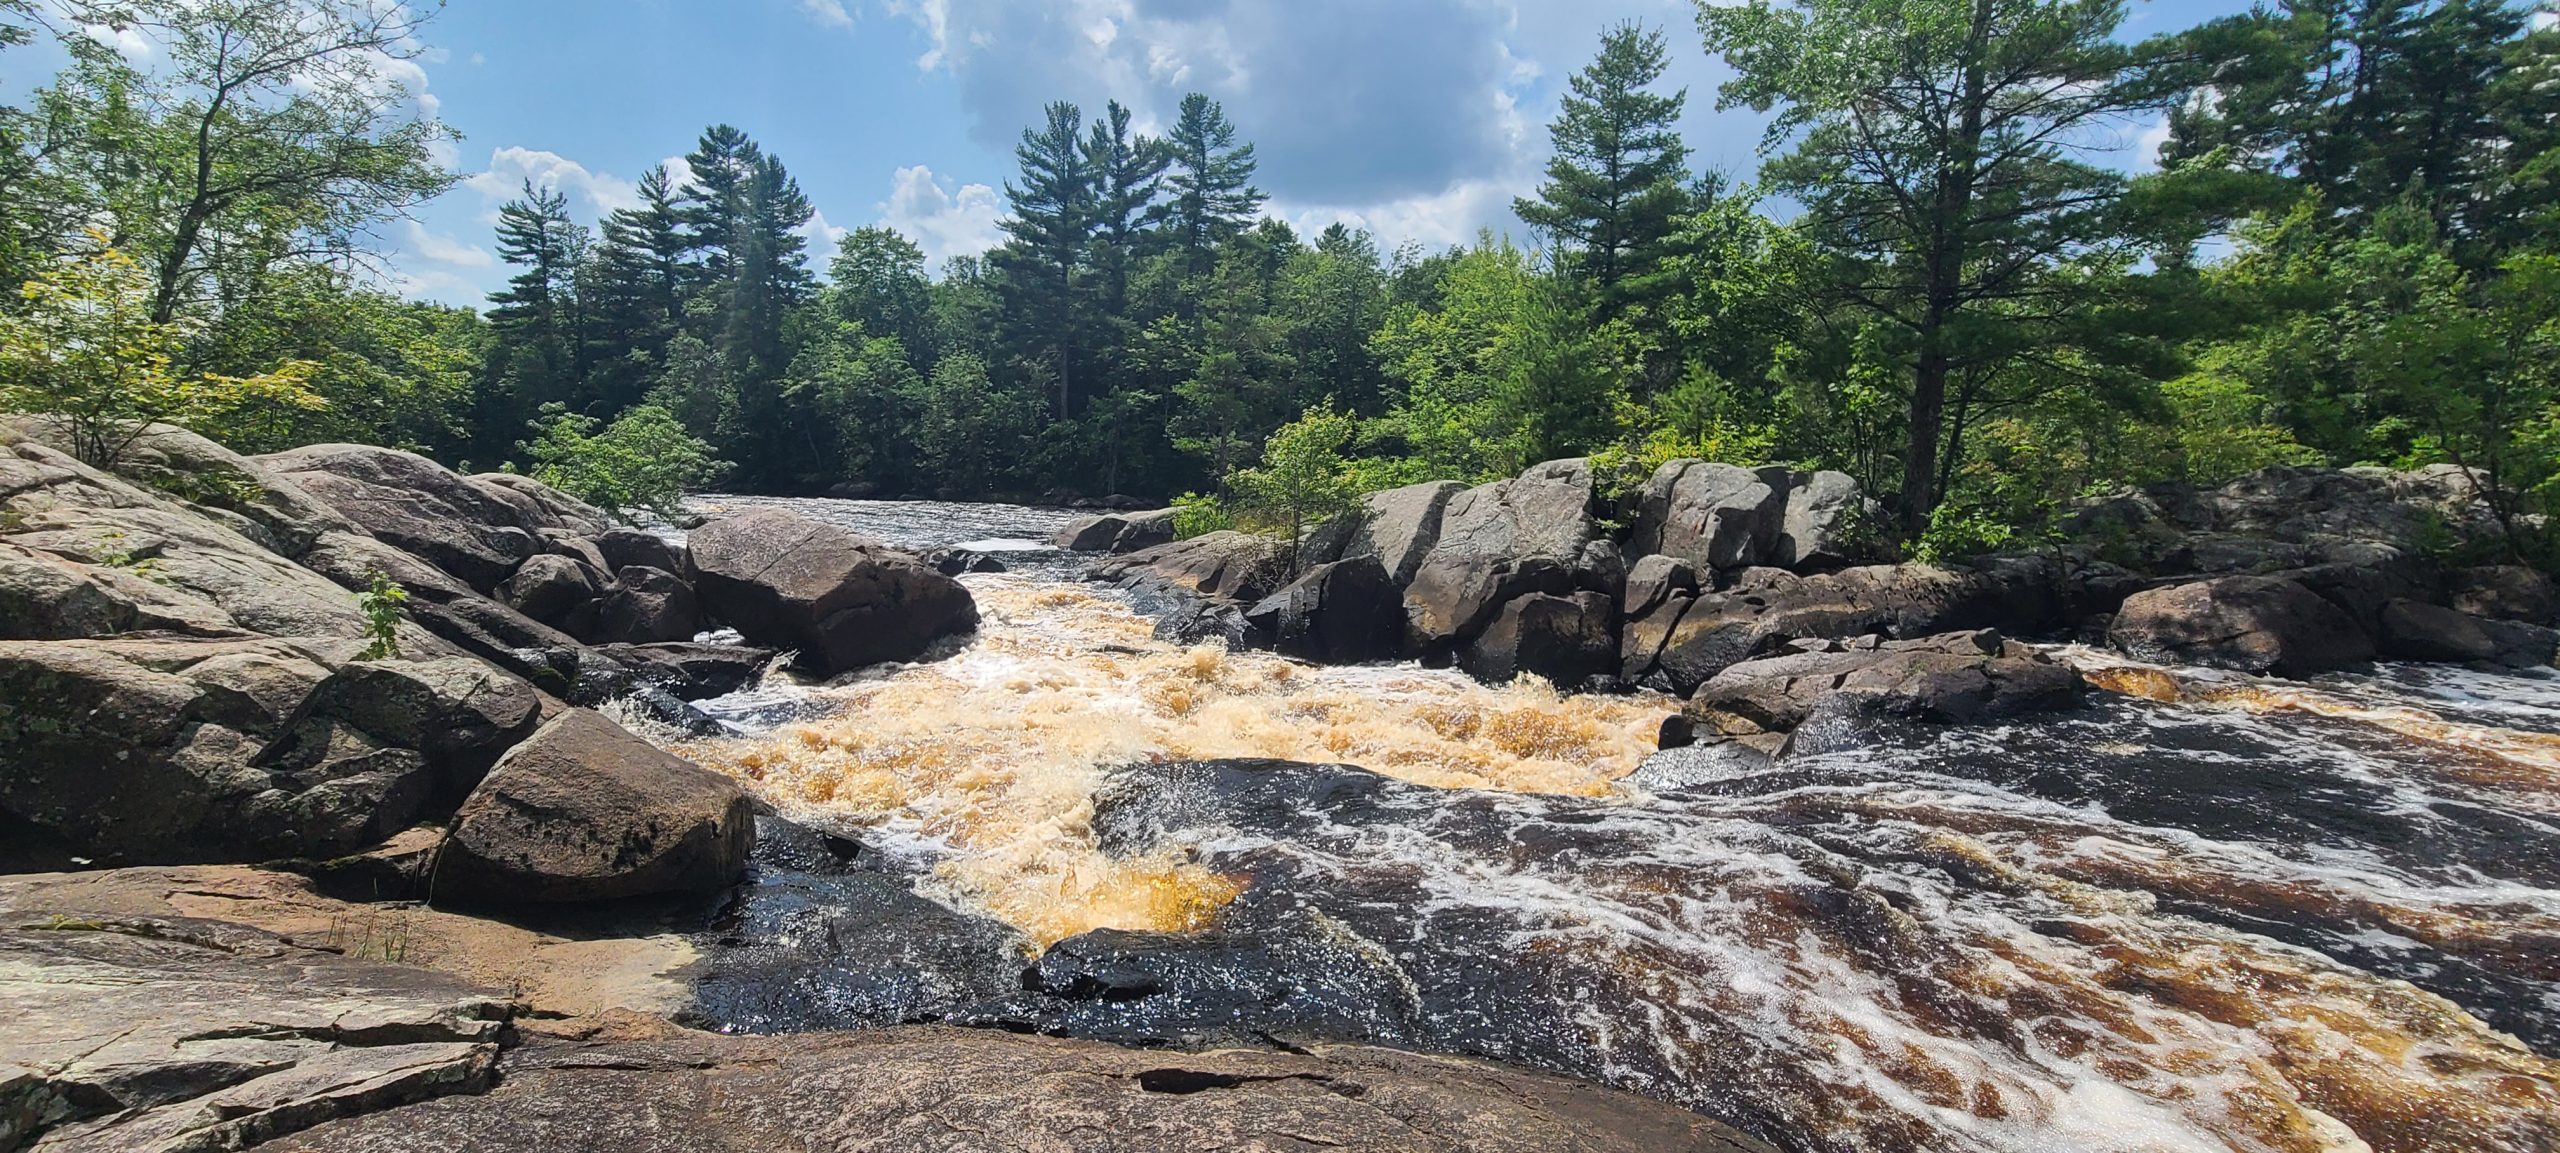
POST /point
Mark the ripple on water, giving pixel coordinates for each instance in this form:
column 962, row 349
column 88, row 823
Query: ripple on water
column 2189, row 923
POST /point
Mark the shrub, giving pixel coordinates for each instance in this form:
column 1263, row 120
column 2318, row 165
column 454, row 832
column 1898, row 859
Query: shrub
column 381, row 605
column 644, row 460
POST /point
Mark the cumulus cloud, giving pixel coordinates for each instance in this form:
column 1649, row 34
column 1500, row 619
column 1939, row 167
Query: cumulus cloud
column 512, row 167
column 823, row 237
column 828, row 12
column 442, row 249
column 944, row 221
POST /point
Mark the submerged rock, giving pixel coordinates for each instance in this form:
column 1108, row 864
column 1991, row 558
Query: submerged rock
column 840, row 601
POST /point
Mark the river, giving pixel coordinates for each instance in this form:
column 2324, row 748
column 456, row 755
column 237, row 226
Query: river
column 2200, row 913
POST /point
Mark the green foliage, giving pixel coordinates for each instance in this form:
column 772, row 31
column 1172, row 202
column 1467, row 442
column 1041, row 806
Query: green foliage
column 1195, row 514
column 87, row 352
column 381, row 603
column 1304, row 479
column 644, row 460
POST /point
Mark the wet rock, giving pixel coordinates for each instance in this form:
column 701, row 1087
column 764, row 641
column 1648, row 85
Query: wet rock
column 1118, row 532
column 584, row 811
column 553, row 589
column 1346, row 612
column 949, row 1089
column 2416, row 631
column 2251, row 624
column 1224, row 565
column 1957, row 678
column 647, row 606
column 1401, row 526
column 1567, row 640
column 694, row 671
column 171, row 1035
column 2506, row 592
column 955, row 561
column 1714, row 516
column 1682, row 643
column 475, row 531
column 840, row 601
column 829, row 936
column 626, row 547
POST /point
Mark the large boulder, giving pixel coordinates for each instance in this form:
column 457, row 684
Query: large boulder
column 625, row 547
column 1345, row 612
column 2417, row 631
column 1714, row 516
column 1823, row 522
column 1954, row 678
column 460, row 713
column 584, row 811
column 1568, row 640
column 2248, row 623
column 2507, row 592
column 1500, row 541
column 1118, row 532
column 1401, row 526
column 1687, row 639
column 646, row 606
column 1223, row 565
column 158, row 749
column 841, row 601
column 553, row 589
column 476, row 531
column 542, row 506
column 691, row 670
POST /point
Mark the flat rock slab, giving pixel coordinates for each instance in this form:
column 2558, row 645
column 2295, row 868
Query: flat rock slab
column 173, row 1035
column 921, row 1090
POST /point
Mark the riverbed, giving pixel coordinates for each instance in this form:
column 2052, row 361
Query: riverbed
column 2199, row 914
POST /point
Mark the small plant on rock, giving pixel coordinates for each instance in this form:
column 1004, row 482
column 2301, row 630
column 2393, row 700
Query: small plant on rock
column 381, row 605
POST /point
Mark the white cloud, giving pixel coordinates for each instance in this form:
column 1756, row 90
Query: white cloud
column 823, row 236
column 828, row 12
column 443, row 249
column 934, row 17
column 1437, row 220
column 942, row 221
column 512, row 167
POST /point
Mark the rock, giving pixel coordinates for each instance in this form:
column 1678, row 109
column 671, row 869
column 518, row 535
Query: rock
column 584, row 811
column 461, row 713
column 442, row 607
column 647, row 606
column 1450, row 603
column 1652, row 580
column 2416, row 631
column 169, row 750
column 479, row 532
column 694, row 671
column 1565, row 639
column 627, row 547
column 1118, row 532
column 553, row 589
column 840, row 601
column 45, row 597
column 1401, row 526
column 547, row 507
column 1686, row 640
column 2522, row 646
column 1956, row 678
column 1714, row 516
column 1602, row 569
column 171, row 1035
column 1346, row 612
column 1222, row 565
column 2288, row 517
column 2251, row 624
column 939, row 1088
column 2507, row 592
column 955, row 561
column 1820, row 526
column 183, row 464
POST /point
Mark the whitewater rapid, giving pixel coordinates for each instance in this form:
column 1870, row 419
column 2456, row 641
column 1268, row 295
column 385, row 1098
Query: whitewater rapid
column 2202, row 913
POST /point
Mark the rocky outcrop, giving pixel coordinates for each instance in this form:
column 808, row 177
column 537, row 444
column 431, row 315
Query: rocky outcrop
column 1719, row 516
column 477, row 531
column 1401, row 526
column 1687, row 638
column 172, row 1035
column 2250, row 624
column 1346, row 612
column 1953, row 678
column 838, row 600
column 1118, row 532
column 1567, row 640
column 584, row 811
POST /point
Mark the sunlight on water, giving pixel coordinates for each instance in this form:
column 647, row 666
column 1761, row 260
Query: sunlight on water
column 995, row 752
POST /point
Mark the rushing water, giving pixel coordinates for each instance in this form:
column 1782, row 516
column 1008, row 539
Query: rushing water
column 2201, row 913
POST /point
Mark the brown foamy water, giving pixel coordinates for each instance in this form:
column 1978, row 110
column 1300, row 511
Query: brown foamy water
column 996, row 751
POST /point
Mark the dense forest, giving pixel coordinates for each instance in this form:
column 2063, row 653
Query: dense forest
column 1954, row 277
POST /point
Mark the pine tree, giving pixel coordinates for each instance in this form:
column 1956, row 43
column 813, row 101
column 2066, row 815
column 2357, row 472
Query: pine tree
column 1052, row 223
column 723, row 164
column 1614, row 191
column 1210, row 183
column 634, row 294
column 1127, row 173
column 533, row 360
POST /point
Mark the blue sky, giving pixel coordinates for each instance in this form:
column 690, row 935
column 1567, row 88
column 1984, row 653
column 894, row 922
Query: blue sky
column 1419, row 119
